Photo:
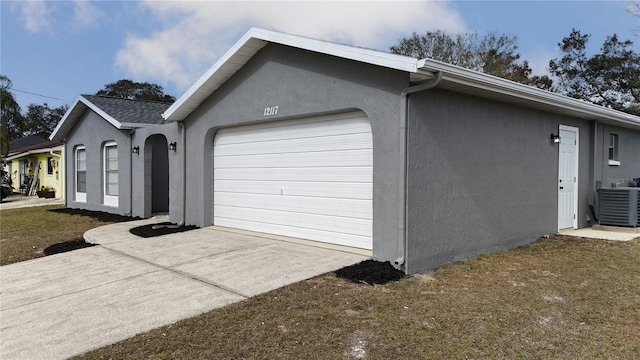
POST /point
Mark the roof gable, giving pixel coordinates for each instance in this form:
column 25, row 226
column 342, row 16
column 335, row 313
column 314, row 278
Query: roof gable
column 119, row 112
column 254, row 40
column 453, row 77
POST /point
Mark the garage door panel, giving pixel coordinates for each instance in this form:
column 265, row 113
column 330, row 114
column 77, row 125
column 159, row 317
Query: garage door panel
column 352, row 208
column 316, row 159
column 348, row 190
column 327, row 143
column 292, row 130
column 309, row 178
column 336, row 224
column 363, row 242
column 308, row 174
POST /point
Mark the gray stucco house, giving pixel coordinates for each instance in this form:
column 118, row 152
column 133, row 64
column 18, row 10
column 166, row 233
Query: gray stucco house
column 117, row 155
column 419, row 161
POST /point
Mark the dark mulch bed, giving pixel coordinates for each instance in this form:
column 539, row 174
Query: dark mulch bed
column 158, row 229
column 66, row 246
column 98, row 215
column 370, row 272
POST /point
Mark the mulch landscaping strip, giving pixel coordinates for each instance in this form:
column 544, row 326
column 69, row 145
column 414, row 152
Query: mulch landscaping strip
column 98, row 215
column 162, row 228
column 66, row 246
column 370, row 272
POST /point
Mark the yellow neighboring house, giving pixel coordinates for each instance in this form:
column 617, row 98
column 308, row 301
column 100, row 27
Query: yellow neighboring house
column 36, row 167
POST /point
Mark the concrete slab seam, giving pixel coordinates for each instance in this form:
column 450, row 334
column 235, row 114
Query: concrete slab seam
column 83, row 290
column 182, row 273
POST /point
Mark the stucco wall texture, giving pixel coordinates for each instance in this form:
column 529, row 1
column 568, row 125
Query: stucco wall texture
column 482, row 175
column 302, row 83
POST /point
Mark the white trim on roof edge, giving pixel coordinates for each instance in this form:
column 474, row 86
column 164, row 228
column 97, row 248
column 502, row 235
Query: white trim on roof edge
column 509, row 88
column 72, row 110
column 35, row 151
column 255, row 39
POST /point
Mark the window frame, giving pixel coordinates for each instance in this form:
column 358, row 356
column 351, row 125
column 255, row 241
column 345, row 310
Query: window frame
column 108, row 198
column 80, row 196
column 612, row 149
column 50, row 166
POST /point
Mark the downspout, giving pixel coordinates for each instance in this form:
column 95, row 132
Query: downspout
column 184, row 173
column 404, row 112
column 63, row 188
column 131, row 132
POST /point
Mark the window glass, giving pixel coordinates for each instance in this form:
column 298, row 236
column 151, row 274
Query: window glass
column 111, row 170
column 81, row 170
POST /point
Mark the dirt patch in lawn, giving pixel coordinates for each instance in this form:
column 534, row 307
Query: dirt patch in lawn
column 370, row 272
column 162, row 228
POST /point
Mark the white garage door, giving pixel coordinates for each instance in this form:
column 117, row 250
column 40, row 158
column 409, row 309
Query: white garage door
column 309, row 178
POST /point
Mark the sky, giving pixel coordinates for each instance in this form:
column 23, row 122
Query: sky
column 53, row 51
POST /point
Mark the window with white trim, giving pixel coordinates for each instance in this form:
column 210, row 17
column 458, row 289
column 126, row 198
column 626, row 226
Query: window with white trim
column 613, row 149
column 49, row 166
column 110, row 173
column 81, row 174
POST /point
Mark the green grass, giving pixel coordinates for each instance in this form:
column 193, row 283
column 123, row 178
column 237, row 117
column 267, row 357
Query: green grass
column 26, row 232
column 561, row 298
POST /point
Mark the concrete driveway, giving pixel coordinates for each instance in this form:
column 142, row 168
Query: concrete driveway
column 66, row 304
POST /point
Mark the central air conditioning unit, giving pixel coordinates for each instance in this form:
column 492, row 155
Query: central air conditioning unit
column 619, row 206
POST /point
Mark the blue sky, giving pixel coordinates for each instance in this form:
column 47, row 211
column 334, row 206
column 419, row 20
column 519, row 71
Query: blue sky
column 61, row 49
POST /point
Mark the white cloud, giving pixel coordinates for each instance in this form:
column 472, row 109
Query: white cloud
column 36, row 16
column 196, row 34
column 85, row 14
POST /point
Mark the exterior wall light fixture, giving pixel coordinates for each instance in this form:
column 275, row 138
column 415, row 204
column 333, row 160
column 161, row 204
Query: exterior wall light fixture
column 173, row 146
column 555, row 139
column 136, row 150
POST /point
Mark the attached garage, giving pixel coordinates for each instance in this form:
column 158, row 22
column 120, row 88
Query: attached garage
column 308, row 178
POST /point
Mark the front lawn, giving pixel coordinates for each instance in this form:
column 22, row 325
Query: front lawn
column 561, row 298
column 25, row 233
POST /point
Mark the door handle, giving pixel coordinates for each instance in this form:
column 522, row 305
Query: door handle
column 561, row 187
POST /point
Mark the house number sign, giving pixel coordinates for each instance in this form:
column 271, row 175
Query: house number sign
column 270, row 111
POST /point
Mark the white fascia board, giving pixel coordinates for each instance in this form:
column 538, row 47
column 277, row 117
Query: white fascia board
column 72, row 115
column 65, row 118
column 36, row 151
column 496, row 85
column 100, row 112
column 374, row 57
column 254, row 40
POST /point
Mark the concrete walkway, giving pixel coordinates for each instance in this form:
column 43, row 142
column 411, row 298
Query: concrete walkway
column 66, row 304
column 20, row 201
column 600, row 234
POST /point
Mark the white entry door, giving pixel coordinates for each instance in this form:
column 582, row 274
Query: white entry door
column 568, row 178
column 310, row 178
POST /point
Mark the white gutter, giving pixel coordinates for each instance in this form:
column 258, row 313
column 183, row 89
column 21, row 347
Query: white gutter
column 402, row 198
column 510, row 89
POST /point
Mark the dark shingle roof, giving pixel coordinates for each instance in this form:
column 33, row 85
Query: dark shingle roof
column 45, row 144
column 25, row 142
column 130, row 111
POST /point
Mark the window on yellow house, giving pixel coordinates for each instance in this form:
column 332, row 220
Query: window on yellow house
column 49, row 166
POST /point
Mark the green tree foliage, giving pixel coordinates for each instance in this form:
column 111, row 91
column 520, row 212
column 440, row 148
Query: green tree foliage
column 491, row 54
column 41, row 119
column 9, row 114
column 128, row 89
column 609, row 78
